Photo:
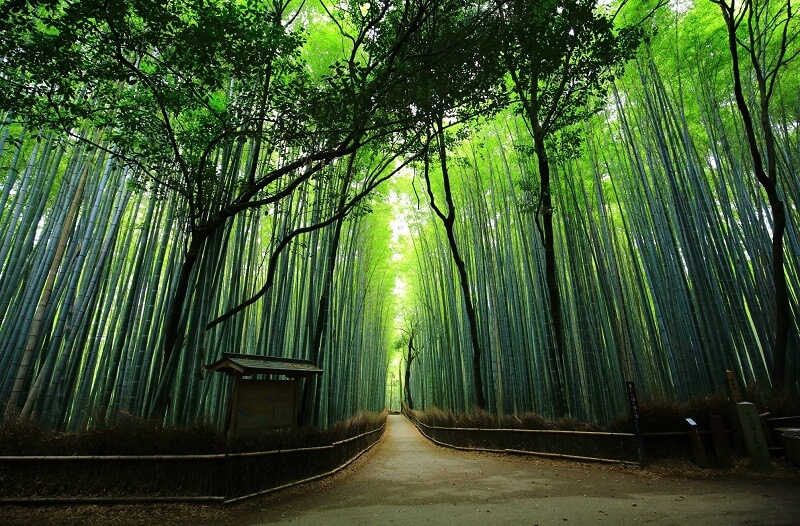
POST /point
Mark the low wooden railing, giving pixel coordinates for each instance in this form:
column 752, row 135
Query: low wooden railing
column 594, row 446
column 172, row 478
column 577, row 445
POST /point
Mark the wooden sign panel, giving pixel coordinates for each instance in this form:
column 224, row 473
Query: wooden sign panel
column 737, row 397
column 265, row 404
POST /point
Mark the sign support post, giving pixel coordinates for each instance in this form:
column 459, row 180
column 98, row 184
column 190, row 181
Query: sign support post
column 637, row 422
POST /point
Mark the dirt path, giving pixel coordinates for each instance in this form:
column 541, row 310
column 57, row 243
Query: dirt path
column 406, row 480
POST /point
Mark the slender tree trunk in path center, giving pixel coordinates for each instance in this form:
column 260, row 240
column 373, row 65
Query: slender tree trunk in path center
column 782, row 306
column 448, row 221
column 545, row 220
column 172, row 330
column 409, row 360
column 764, row 164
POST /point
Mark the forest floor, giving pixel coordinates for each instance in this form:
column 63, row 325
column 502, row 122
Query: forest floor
column 407, row 480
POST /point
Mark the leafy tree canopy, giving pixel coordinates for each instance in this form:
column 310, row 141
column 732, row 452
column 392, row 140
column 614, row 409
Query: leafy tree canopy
column 561, row 56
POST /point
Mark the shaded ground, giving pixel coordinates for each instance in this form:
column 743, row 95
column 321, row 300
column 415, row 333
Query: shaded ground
column 407, row 480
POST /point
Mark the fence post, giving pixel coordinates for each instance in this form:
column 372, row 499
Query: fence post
column 698, row 450
column 721, row 446
column 637, row 422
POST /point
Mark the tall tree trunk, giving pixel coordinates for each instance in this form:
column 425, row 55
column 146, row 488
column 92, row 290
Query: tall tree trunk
column 766, row 176
column 409, row 360
column 545, row 222
column 448, row 220
column 309, row 407
column 172, row 330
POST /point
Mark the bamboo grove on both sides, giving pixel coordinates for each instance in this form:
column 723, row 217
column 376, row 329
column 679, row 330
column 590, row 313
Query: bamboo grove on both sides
column 258, row 177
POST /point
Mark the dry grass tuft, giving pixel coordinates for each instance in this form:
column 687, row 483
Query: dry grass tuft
column 657, row 415
column 527, row 421
column 20, row 436
column 662, row 415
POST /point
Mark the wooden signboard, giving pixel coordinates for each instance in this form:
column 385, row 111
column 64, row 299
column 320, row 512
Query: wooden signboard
column 737, row 397
column 264, row 404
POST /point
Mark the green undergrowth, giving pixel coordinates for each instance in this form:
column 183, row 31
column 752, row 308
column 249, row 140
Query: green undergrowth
column 656, row 415
column 20, row 436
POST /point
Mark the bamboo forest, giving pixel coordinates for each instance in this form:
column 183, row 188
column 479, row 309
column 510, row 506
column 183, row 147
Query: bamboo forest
column 513, row 206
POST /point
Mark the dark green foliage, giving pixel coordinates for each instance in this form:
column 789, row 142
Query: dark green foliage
column 658, row 236
column 562, row 57
column 561, row 60
column 213, row 104
column 769, row 48
column 448, row 64
column 166, row 82
column 262, row 152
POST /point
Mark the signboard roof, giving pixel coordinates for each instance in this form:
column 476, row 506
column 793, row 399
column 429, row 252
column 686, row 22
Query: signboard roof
column 248, row 364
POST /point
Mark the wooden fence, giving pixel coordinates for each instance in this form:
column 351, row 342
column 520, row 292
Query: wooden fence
column 576, row 445
column 221, row 478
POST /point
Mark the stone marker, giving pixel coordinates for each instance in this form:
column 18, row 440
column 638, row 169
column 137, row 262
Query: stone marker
column 753, row 435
